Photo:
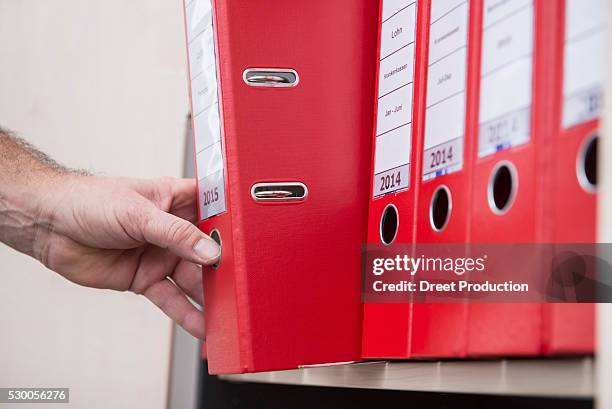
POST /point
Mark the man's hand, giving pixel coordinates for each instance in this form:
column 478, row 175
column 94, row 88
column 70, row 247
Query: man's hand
column 115, row 233
column 127, row 234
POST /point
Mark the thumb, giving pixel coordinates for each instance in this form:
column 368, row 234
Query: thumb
column 180, row 237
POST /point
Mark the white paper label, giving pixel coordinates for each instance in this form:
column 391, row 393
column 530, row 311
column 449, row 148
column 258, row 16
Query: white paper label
column 446, row 82
column 198, row 14
column 498, row 10
column 207, row 129
column 392, row 7
column 396, row 71
column 506, row 75
column 394, row 110
column 210, row 160
column 395, row 97
column 203, row 93
column 398, row 31
column 201, row 54
column 584, row 61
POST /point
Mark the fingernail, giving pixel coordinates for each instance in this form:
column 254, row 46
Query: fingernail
column 207, row 250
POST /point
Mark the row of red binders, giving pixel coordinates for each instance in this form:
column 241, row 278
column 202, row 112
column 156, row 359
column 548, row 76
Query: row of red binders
column 322, row 126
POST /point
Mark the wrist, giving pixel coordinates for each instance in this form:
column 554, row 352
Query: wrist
column 52, row 198
column 32, row 191
column 28, row 209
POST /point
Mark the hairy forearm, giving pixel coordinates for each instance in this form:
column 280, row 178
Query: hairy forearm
column 27, row 180
column 105, row 232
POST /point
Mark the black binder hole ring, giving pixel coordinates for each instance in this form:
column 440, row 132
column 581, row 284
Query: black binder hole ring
column 503, row 185
column 389, row 224
column 440, row 208
column 216, row 236
column 586, row 165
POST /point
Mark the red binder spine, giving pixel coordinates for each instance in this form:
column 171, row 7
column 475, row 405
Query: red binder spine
column 570, row 328
column 506, row 164
column 291, row 169
column 213, row 191
column 396, row 156
column 444, row 188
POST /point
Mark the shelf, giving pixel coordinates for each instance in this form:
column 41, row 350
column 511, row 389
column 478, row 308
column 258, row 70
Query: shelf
column 569, row 378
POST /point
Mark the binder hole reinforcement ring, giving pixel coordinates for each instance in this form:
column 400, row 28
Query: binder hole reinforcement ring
column 586, row 164
column 389, row 224
column 440, row 208
column 503, row 185
column 216, row 236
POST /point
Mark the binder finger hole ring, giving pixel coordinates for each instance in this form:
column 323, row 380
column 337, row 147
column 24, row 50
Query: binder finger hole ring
column 270, row 77
column 279, row 192
column 389, row 224
column 586, row 165
column 440, row 208
column 503, row 185
column 216, row 236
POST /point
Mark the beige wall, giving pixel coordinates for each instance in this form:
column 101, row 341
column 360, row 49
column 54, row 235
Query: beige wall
column 99, row 85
